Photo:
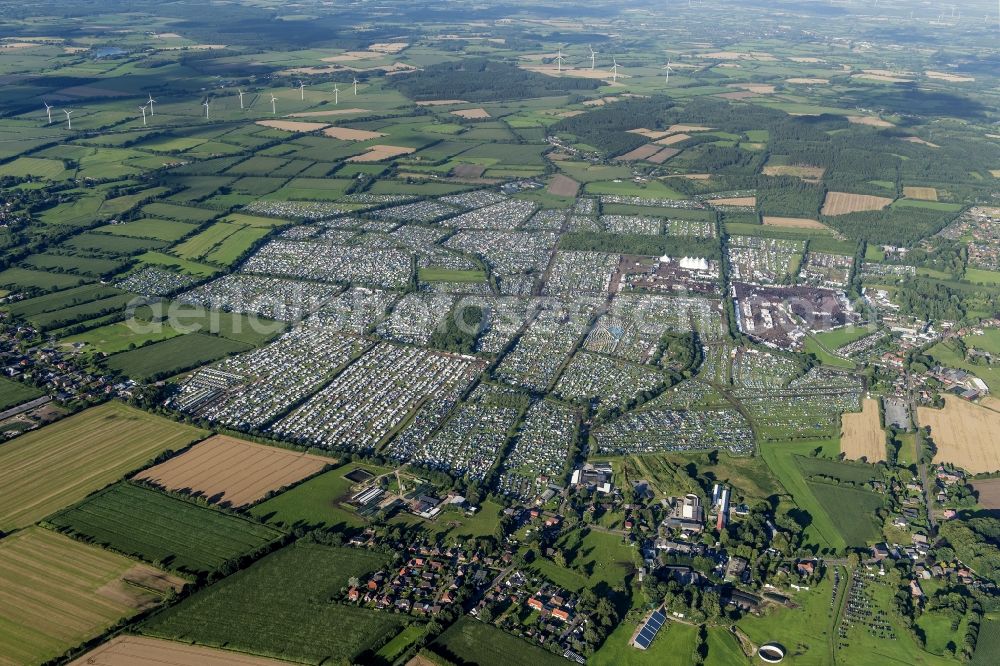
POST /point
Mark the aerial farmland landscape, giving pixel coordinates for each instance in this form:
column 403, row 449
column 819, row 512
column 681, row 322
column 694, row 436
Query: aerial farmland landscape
column 500, row 334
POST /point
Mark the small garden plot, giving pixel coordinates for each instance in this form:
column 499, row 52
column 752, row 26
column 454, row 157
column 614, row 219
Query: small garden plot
column 592, row 378
column 206, row 470
column 155, row 527
column 300, row 576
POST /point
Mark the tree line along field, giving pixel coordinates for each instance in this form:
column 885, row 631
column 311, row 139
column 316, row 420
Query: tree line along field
column 59, row 464
column 280, row 607
column 172, row 532
column 58, row 592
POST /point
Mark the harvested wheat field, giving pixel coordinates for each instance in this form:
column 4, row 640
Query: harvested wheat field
column 320, row 114
column 793, row 222
column 842, row 203
column 861, row 433
column 922, row 193
column 675, row 129
column 808, row 81
column 964, row 434
column 563, row 186
column 292, row 125
column 810, row 174
column 748, row 202
column 233, row 471
column 663, row 155
column 129, row 650
column 756, row 88
column 650, row 134
column 995, row 173
column 52, row 467
column 672, row 139
column 640, row 153
column 922, row 142
column 348, row 134
column 737, row 95
column 468, row 170
column 988, row 491
column 952, row 78
column 58, row 592
column 471, row 114
column 869, row 121
column 381, row 152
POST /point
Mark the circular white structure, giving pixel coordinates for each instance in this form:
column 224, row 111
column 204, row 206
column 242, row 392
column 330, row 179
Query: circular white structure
column 771, row 653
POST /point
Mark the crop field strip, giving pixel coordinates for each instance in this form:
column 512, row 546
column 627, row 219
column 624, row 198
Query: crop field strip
column 155, row 527
column 234, row 471
column 131, row 650
column 57, row 592
column 50, row 468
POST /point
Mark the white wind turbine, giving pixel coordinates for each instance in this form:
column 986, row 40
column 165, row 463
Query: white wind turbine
column 593, row 56
column 241, row 93
column 559, row 60
column 614, row 71
column 151, row 102
column 355, row 85
column 302, row 91
column 48, row 111
column 274, row 109
column 336, row 94
column 205, row 104
column 667, row 68
column 143, row 109
column 69, row 122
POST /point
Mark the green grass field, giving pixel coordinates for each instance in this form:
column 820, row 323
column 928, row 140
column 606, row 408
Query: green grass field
column 470, row 641
column 173, row 355
column 118, row 337
column 24, row 278
column 988, row 645
column 314, row 502
column 807, row 631
column 59, row 464
column 58, row 593
column 851, row 512
column 780, row 457
column 280, row 607
column 174, row 533
column 14, row 393
column 449, row 275
column 673, row 646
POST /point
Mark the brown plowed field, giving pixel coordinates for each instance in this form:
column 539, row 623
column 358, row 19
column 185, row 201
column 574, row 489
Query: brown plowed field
column 989, row 493
column 233, row 471
column 842, row 203
column 640, row 153
column 793, row 223
column 563, row 186
column 131, row 650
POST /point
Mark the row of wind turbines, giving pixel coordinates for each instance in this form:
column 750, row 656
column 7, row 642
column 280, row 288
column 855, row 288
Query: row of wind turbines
column 614, row 67
column 149, row 105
